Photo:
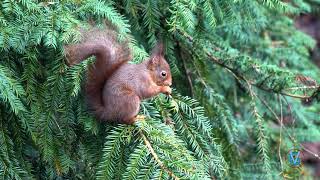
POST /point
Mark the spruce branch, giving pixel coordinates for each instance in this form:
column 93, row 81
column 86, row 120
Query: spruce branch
column 261, row 136
column 155, row 156
column 242, row 77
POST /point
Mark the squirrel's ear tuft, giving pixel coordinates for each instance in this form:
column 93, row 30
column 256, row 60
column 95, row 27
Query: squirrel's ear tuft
column 158, row 50
column 155, row 57
column 154, row 60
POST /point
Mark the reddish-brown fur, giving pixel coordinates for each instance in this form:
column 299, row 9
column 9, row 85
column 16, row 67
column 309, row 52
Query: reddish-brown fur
column 115, row 88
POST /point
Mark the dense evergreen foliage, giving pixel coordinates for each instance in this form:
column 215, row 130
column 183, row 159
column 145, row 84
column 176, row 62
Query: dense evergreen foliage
column 245, row 91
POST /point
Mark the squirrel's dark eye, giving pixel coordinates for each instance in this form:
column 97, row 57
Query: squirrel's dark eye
column 163, row 73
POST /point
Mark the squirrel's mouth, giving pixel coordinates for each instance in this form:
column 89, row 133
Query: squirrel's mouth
column 167, row 83
column 164, row 83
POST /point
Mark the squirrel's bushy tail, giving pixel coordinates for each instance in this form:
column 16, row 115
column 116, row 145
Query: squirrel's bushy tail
column 110, row 55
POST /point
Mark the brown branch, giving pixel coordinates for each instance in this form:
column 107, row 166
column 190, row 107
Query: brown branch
column 155, row 156
column 216, row 60
column 303, row 87
column 243, row 78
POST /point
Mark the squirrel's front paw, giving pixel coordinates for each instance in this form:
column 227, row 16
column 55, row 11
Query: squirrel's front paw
column 166, row 90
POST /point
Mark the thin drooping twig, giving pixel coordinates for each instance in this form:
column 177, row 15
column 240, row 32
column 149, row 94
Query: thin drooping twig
column 155, row 156
column 281, row 125
column 290, row 109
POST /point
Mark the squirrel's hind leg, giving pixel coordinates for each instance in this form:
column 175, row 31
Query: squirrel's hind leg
column 121, row 103
column 131, row 107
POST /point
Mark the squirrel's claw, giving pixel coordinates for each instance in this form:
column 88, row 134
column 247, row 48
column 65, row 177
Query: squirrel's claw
column 140, row 118
column 168, row 97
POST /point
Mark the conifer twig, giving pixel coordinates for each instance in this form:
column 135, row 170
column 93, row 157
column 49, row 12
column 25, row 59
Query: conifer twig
column 155, row 156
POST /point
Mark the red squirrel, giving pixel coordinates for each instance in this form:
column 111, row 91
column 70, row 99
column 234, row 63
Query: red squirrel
column 115, row 88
